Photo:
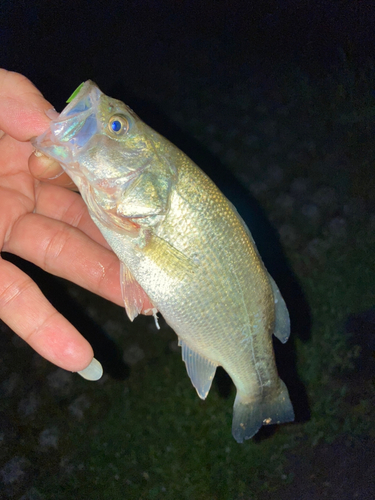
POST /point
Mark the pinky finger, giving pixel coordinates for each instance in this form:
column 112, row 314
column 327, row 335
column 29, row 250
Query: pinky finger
column 28, row 313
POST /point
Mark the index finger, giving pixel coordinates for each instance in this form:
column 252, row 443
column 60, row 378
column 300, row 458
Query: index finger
column 22, row 107
column 23, row 116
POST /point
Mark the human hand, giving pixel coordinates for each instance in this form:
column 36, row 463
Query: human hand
column 49, row 225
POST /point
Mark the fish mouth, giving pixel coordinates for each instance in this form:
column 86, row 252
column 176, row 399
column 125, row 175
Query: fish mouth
column 74, row 127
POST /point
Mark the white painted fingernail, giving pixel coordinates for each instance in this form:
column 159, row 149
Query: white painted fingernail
column 38, row 153
column 93, row 372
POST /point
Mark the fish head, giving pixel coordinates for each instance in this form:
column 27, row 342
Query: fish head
column 105, row 148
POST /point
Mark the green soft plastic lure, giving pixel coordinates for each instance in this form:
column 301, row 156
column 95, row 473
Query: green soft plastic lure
column 75, row 92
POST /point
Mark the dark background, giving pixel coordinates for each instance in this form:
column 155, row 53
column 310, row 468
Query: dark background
column 58, row 43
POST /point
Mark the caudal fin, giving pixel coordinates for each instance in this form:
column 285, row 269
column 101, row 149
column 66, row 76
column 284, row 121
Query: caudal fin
column 248, row 418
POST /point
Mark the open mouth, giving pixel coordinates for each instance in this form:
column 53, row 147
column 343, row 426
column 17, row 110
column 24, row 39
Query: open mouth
column 75, row 126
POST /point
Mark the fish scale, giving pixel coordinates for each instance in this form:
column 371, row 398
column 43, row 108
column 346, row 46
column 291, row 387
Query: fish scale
column 184, row 248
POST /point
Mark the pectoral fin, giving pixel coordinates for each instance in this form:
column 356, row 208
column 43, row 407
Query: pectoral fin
column 147, row 196
column 282, row 321
column 200, row 370
column 168, row 258
column 135, row 298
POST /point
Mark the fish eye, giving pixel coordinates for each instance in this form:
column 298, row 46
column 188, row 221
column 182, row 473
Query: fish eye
column 118, row 125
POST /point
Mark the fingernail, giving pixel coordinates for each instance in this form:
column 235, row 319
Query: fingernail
column 52, row 113
column 38, row 153
column 93, row 372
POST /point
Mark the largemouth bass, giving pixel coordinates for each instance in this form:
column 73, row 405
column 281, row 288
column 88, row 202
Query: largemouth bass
column 184, row 250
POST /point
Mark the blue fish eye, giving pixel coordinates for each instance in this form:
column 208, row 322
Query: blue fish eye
column 118, row 125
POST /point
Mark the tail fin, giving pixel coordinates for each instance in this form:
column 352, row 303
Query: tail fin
column 248, row 418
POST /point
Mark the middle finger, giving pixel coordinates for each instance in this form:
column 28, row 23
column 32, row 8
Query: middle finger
column 58, row 203
column 67, row 252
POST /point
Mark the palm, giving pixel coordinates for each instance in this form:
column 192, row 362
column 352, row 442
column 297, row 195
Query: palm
column 17, row 193
column 47, row 225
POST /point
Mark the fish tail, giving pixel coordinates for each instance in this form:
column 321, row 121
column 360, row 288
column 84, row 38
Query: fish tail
column 248, row 418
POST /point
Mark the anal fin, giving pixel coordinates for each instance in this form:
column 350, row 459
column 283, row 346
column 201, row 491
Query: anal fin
column 200, row 370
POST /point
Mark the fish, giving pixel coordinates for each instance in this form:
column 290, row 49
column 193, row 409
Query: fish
column 184, row 251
